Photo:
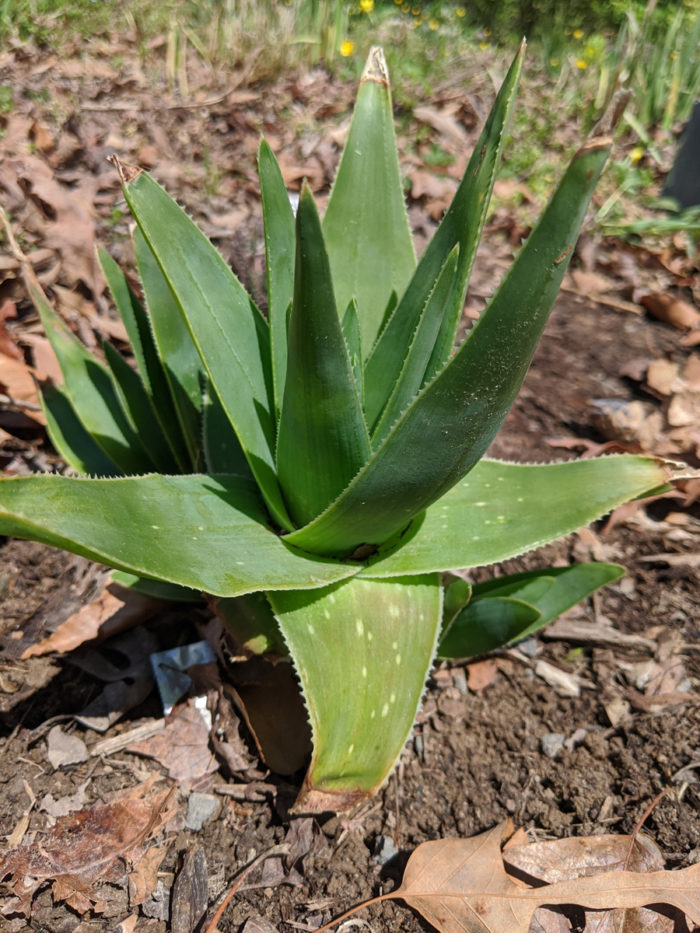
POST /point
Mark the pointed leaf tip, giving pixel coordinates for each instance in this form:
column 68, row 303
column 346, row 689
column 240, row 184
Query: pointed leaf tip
column 375, row 67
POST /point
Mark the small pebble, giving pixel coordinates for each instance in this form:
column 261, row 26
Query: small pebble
column 529, row 647
column 459, row 679
column 552, row 743
column 200, row 808
column 384, row 850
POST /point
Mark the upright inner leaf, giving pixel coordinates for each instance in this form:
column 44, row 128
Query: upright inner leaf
column 323, row 439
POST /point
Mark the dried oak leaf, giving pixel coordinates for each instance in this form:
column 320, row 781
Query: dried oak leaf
column 85, row 848
column 461, row 886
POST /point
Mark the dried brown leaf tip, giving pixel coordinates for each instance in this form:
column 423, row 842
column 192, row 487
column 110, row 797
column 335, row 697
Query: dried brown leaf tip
column 126, row 172
column 375, row 68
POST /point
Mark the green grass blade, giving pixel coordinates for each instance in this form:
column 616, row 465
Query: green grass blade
column 137, row 406
column 204, row 532
column 323, row 439
column 421, row 349
column 68, row 436
column 278, row 218
column 93, row 395
column 362, row 650
column 181, row 365
column 504, row 509
column 230, row 334
column 447, row 429
column 138, row 328
column 462, row 225
column 366, row 225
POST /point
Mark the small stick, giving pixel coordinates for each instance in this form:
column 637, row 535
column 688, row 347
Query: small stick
column 282, row 849
column 640, row 822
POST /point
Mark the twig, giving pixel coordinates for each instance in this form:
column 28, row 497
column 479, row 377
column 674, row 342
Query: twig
column 31, row 282
column 282, row 849
column 18, row 402
column 638, row 826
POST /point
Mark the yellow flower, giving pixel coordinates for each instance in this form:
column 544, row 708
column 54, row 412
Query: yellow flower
column 581, row 63
column 554, row 62
column 433, row 24
column 347, row 48
column 637, row 154
column 578, row 33
column 461, row 12
column 366, row 6
column 483, row 45
column 417, row 21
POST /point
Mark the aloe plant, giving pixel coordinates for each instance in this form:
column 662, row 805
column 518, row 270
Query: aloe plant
column 331, row 454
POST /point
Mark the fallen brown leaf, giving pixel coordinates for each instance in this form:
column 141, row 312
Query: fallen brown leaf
column 581, row 856
column 183, row 746
column 86, row 847
column 671, row 310
column 461, row 886
column 115, row 610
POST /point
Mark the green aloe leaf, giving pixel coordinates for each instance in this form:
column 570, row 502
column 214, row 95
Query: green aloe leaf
column 252, row 623
column 323, row 439
column 181, row 365
column 353, row 341
column 203, row 532
column 91, row 390
column 138, row 328
column 366, row 228
column 156, row 589
column 501, row 510
column 222, row 450
column 278, row 219
column 461, row 225
column 448, row 427
column 68, row 436
column 495, row 615
column 487, row 624
column 362, row 696
column 137, row 406
column 420, row 350
column 230, row 334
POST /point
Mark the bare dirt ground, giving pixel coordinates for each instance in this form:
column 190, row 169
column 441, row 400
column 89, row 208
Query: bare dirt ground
column 575, row 732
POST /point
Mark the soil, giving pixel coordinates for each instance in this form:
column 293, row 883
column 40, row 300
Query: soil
column 480, row 752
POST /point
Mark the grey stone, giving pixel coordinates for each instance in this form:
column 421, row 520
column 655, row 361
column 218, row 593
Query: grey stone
column 552, row 743
column 200, row 808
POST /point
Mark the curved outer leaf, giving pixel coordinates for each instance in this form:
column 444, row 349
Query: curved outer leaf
column 552, row 590
column 362, row 650
column 138, row 328
column 462, row 225
column 323, row 438
column 503, row 509
column 205, row 532
column 90, row 388
column 230, row 334
column 366, row 228
column 184, row 373
column 137, row 405
column 69, row 437
column 487, row 624
column 448, row 427
column 278, row 219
